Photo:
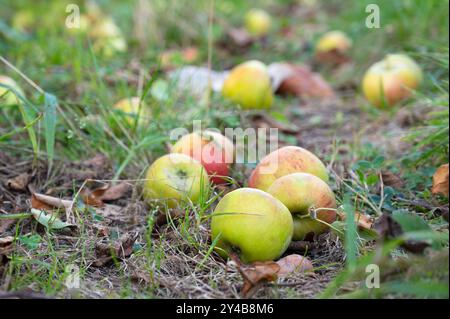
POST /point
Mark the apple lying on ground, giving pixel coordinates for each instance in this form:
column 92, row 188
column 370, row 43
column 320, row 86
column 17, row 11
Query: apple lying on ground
column 258, row 22
column 301, row 193
column 333, row 41
column 108, row 38
column 213, row 150
column 284, row 161
column 253, row 224
column 175, row 179
column 248, row 85
column 130, row 108
column 7, row 96
column 391, row 80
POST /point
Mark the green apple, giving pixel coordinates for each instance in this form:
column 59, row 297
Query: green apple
column 284, row 161
column 333, row 41
column 248, row 85
column 391, row 80
column 175, row 179
column 258, row 22
column 302, row 193
column 7, row 97
column 253, row 224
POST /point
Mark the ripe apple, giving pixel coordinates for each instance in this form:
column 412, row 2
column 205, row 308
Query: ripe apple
column 301, row 192
column 176, row 178
column 213, row 150
column 391, row 80
column 8, row 97
column 333, row 41
column 258, row 22
column 253, row 224
column 284, row 161
column 248, row 85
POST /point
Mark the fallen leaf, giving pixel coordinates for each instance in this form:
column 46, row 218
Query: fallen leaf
column 392, row 180
column 48, row 220
column 115, row 192
column 440, row 181
column 5, row 224
column 255, row 275
column 334, row 57
column 362, row 220
column 106, row 252
column 294, row 264
column 98, row 162
column 49, row 203
column 298, row 80
column 5, row 248
column 20, row 182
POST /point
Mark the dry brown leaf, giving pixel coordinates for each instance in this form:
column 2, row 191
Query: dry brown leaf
column 255, row 275
column 300, row 81
column 116, row 192
column 362, row 220
column 105, row 252
column 440, row 181
column 49, row 203
column 5, row 224
column 293, row 264
column 392, row 180
column 334, row 57
column 98, row 196
column 5, row 246
column 20, row 182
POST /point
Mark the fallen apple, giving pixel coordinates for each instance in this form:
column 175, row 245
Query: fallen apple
column 176, row 178
column 213, row 150
column 304, row 194
column 333, row 41
column 253, row 224
column 7, row 96
column 258, row 22
column 129, row 107
column 284, row 161
column 248, row 85
column 108, row 38
column 391, row 80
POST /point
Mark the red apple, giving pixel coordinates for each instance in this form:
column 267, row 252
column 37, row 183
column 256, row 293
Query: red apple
column 212, row 149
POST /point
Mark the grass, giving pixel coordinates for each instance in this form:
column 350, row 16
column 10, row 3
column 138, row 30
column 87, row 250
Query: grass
column 71, row 119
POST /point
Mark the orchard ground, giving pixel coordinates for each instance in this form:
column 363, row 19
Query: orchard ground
column 380, row 162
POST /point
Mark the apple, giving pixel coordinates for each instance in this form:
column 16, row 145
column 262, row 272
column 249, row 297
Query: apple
column 301, row 192
column 253, row 224
column 258, row 22
column 176, row 178
column 391, row 80
column 333, row 41
column 8, row 97
column 108, row 38
column 130, row 108
column 248, row 85
column 284, row 161
column 213, row 150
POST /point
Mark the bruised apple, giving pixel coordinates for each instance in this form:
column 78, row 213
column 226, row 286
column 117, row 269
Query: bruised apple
column 333, row 41
column 212, row 149
column 252, row 224
column 258, row 22
column 303, row 194
column 174, row 179
column 391, row 80
column 284, row 161
column 248, row 85
column 7, row 96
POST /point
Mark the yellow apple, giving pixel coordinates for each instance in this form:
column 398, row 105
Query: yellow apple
column 7, row 97
column 284, row 161
column 130, row 108
column 301, row 193
column 253, row 224
column 212, row 149
column 248, row 85
column 333, row 41
column 391, row 80
column 175, row 179
column 258, row 22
